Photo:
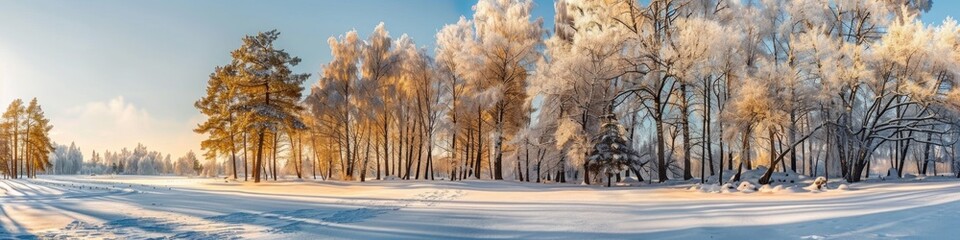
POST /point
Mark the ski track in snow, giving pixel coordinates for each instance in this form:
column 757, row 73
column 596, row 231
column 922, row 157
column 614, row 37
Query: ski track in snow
column 227, row 226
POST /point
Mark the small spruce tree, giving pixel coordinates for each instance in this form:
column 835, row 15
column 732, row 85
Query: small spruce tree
column 611, row 153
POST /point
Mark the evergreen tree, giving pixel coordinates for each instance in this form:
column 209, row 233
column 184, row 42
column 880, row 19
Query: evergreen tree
column 268, row 91
column 26, row 137
column 611, row 153
column 12, row 122
column 219, row 126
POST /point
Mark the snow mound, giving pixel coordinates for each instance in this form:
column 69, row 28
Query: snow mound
column 708, row 188
column 746, row 187
column 776, row 189
column 390, row 178
column 727, row 188
column 631, row 180
column 843, row 187
column 755, row 174
column 714, row 188
column 765, row 189
column 893, row 172
column 817, row 185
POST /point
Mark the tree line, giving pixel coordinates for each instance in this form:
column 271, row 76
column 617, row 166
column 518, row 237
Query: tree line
column 69, row 160
column 25, row 143
column 662, row 89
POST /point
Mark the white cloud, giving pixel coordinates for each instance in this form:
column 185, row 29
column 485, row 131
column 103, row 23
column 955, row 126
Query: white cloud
column 117, row 123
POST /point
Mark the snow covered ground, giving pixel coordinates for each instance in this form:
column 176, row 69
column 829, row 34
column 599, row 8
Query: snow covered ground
column 139, row 207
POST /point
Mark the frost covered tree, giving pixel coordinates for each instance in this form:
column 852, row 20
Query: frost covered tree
column 334, row 95
column 469, row 96
column 420, row 73
column 507, row 39
column 452, row 48
column 188, row 165
column 581, row 75
column 653, row 32
column 813, row 86
column 379, row 70
column 67, row 159
column 368, row 87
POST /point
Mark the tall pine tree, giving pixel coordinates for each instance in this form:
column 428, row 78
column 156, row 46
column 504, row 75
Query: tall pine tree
column 220, row 125
column 268, row 91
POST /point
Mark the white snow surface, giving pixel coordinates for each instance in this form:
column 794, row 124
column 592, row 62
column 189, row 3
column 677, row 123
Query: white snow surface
column 142, row 207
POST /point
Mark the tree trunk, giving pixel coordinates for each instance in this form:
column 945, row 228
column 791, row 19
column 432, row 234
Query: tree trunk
column 377, row 152
column 386, row 144
column 519, row 172
column 410, row 142
column 366, row 159
column 744, row 154
column 420, row 143
column 276, row 140
column 246, row 170
column 329, row 163
column 401, row 141
column 468, row 153
column 903, row 156
column 926, row 154
column 586, row 172
column 258, row 162
column 498, row 145
column 539, row 161
column 773, row 149
column 527, row 162
column 661, row 160
column 293, row 151
column 685, row 128
column 16, row 134
column 608, row 179
column 429, row 170
column 479, row 157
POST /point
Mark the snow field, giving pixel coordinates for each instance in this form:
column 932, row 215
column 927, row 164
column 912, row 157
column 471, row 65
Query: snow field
column 141, row 207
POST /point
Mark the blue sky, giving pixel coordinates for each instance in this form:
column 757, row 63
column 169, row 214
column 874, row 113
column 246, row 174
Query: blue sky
column 112, row 73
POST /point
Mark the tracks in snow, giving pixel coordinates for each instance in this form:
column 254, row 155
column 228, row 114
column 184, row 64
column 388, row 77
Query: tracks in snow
column 232, row 225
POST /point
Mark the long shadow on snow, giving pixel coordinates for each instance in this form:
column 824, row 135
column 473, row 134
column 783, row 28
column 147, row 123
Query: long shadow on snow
column 185, row 202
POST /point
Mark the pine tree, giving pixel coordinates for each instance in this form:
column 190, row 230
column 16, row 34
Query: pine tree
column 268, row 91
column 37, row 143
column 12, row 120
column 611, row 153
column 220, row 125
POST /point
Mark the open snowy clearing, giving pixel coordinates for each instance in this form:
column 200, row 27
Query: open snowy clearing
column 139, row 207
